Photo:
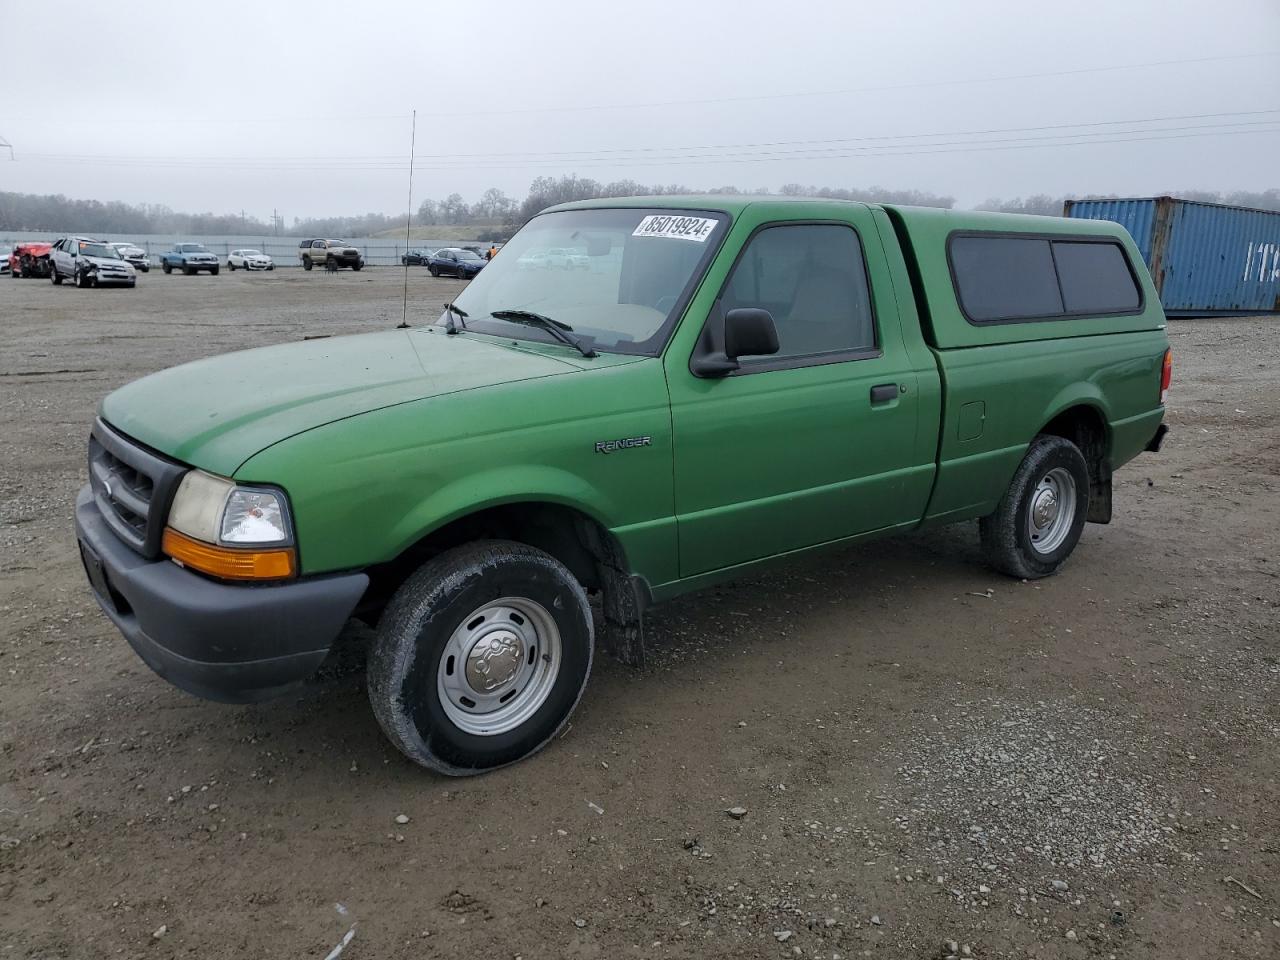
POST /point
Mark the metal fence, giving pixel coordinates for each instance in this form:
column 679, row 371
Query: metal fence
column 282, row 250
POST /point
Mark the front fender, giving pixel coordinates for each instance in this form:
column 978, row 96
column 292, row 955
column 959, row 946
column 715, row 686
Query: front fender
column 532, row 483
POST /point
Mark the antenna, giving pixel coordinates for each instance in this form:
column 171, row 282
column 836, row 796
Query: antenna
column 5, row 144
column 408, row 219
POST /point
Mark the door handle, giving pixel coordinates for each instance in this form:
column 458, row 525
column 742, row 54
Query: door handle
column 884, row 392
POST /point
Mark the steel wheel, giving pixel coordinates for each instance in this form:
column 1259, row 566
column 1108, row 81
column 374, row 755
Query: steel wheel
column 499, row 666
column 1051, row 510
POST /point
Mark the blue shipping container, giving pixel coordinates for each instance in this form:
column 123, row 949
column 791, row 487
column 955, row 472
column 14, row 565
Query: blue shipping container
column 1207, row 259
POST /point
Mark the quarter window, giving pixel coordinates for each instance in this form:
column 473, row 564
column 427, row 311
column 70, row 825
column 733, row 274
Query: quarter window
column 812, row 279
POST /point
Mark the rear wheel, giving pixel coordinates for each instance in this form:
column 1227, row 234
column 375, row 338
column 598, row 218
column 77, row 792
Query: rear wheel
column 1039, row 519
column 306, row 263
column 481, row 656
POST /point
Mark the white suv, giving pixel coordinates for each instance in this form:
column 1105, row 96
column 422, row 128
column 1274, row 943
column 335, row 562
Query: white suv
column 89, row 263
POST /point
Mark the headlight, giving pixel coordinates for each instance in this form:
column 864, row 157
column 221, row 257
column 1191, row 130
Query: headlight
column 230, row 531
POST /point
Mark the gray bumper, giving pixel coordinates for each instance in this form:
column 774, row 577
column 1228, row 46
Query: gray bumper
column 227, row 642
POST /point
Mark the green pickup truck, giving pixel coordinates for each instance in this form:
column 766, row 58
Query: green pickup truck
column 729, row 381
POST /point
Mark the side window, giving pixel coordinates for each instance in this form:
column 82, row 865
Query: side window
column 317, row 245
column 1004, row 278
column 812, row 279
column 1010, row 278
column 1095, row 278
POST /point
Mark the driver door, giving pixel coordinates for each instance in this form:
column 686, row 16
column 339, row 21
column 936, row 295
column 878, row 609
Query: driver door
column 817, row 442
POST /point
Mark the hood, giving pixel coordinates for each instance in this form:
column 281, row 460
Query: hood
column 107, row 262
column 219, row 412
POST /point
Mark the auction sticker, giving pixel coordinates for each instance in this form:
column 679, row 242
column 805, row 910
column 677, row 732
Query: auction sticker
column 696, row 229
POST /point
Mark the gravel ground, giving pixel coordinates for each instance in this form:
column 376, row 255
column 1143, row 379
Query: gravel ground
column 887, row 751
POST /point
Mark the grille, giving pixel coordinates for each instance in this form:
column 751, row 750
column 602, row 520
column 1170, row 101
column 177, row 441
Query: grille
column 132, row 487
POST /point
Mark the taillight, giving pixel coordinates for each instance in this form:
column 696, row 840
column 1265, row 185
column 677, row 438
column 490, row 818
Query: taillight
column 1166, row 375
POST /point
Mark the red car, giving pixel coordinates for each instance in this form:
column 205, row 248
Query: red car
column 30, row 260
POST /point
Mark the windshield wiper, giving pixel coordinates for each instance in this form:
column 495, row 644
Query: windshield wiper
column 450, row 311
column 560, row 331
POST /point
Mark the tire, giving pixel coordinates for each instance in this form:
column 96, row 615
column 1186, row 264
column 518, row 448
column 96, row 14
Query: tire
column 80, row 280
column 331, row 264
column 1039, row 519
column 430, row 632
column 433, row 270
column 306, row 263
column 271, row 267
column 357, row 267
column 231, row 266
column 54, row 276
column 146, row 268
column 214, row 271
column 164, row 265
column 188, row 272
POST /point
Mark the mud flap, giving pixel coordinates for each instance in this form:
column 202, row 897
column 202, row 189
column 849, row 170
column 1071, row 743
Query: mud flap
column 623, row 634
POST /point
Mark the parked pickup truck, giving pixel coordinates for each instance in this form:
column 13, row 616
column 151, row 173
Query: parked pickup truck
column 734, row 381
column 330, row 254
column 190, row 258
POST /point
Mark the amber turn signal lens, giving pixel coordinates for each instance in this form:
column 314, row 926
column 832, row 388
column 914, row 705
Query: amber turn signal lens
column 228, row 563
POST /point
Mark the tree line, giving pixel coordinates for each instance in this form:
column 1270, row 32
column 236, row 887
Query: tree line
column 498, row 214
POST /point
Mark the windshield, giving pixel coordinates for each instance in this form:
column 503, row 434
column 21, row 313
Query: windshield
column 468, row 255
column 250, row 253
column 631, row 270
column 191, row 248
column 105, row 251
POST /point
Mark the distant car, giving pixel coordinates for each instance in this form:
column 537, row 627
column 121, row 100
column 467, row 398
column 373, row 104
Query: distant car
column 417, row 257
column 89, row 263
column 189, row 258
column 134, row 254
column 455, row 262
column 5, row 254
column 567, row 259
column 330, row 254
column 249, row 260
column 29, row 260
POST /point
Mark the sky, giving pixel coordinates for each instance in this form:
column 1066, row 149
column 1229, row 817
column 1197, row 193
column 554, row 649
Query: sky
column 305, row 109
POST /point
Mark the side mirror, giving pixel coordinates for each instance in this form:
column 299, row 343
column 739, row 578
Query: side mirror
column 749, row 332
column 742, row 332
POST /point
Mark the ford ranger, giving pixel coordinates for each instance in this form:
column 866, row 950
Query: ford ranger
column 731, row 381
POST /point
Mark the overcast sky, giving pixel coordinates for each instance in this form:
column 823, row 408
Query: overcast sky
column 305, row 107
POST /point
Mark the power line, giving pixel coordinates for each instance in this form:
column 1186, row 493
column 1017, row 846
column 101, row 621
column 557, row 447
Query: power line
column 888, row 148
column 568, row 155
column 881, row 88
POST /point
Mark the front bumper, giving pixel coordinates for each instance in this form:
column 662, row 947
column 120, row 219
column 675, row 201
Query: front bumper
column 225, row 642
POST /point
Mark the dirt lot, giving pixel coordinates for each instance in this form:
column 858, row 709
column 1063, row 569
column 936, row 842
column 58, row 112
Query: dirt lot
column 926, row 751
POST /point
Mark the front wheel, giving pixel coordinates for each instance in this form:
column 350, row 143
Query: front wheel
column 231, row 266
column 166, row 267
column 55, row 277
column 356, row 267
column 1039, row 519
column 434, row 271
column 214, row 271
column 480, row 658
